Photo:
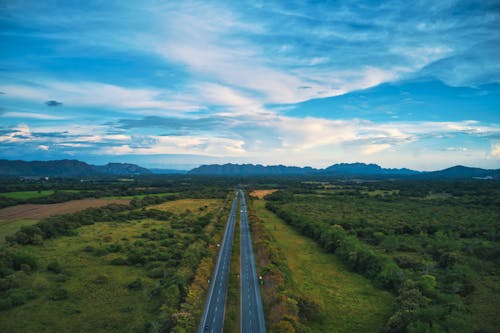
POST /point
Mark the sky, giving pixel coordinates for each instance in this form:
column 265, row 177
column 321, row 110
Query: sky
column 176, row 84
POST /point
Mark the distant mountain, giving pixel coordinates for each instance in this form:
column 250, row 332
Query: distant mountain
column 66, row 168
column 168, row 171
column 249, row 170
column 462, row 172
column 343, row 170
column 121, row 169
column 366, row 169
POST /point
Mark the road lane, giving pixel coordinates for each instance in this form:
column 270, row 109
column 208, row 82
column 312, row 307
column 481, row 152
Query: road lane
column 212, row 319
column 252, row 312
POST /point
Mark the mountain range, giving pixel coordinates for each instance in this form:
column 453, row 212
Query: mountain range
column 67, row 168
column 75, row 168
column 345, row 170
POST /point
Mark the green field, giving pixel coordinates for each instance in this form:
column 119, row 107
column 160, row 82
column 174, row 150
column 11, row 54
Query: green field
column 348, row 302
column 139, row 196
column 22, row 195
column 8, row 228
column 89, row 293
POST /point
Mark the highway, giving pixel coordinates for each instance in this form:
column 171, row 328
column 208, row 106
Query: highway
column 252, row 312
column 212, row 319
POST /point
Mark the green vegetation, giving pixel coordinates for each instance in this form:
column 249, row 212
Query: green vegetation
column 119, row 268
column 9, row 228
column 232, row 315
column 333, row 298
column 335, row 256
column 438, row 253
column 26, row 194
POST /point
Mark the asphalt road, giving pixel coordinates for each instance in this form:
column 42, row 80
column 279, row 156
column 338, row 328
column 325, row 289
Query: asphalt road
column 252, row 312
column 213, row 315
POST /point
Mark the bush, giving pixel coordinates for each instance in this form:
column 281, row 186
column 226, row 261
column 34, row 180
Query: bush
column 5, row 303
column 20, row 296
column 54, row 267
column 119, row 261
column 59, row 294
column 101, row 279
column 135, row 285
column 89, row 249
column 40, row 283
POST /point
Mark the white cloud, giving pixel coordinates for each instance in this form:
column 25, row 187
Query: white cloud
column 32, row 115
column 99, row 94
column 159, row 145
column 19, row 133
column 495, row 151
column 43, row 147
column 375, row 148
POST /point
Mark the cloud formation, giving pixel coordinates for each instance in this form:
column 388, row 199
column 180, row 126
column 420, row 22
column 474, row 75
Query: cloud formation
column 291, row 82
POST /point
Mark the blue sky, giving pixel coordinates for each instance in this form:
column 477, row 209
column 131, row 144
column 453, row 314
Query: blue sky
column 175, row 84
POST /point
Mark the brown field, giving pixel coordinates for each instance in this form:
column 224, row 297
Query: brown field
column 40, row 211
column 261, row 193
column 180, row 206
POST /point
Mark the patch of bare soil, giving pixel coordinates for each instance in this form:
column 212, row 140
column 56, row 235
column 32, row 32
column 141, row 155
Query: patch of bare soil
column 40, row 211
column 261, row 193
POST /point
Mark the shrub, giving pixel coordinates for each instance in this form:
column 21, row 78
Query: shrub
column 59, row 294
column 101, row 279
column 135, row 285
column 5, row 303
column 89, row 248
column 40, row 283
column 54, row 267
column 119, row 261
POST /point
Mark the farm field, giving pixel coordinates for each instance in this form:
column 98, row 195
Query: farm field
column 40, row 211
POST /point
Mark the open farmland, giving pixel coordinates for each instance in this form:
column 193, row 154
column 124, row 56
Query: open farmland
column 40, row 211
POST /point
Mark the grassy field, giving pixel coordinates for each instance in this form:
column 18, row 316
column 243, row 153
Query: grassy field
column 140, row 196
column 348, row 302
column 97, row 296
column 193, row 205
column 83, row 310
column 8, row 228
column 27, row 194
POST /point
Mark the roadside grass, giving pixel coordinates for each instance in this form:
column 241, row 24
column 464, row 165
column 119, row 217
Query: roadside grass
column 348, row 302
column 232, row 316
column 8, row 228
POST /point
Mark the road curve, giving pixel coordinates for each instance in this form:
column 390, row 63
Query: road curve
column 252, row 312
column 212, row 319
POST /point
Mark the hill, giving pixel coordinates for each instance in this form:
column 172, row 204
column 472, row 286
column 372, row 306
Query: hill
column 462, row 172
column 366, row 169
column 250, row 170
column 343, row 170
column 66, row 168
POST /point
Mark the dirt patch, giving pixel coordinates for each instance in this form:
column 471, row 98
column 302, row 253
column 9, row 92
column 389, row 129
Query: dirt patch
column 36, row 211
column 261, row 193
